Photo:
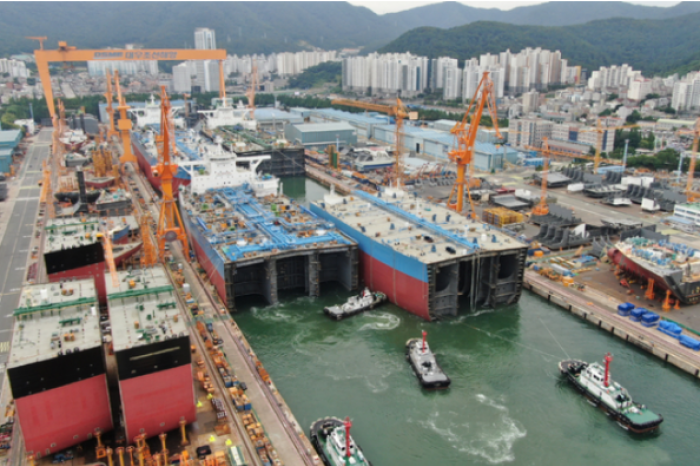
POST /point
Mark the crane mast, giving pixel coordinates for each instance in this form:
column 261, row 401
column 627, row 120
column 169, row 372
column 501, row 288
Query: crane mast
column 691, row 169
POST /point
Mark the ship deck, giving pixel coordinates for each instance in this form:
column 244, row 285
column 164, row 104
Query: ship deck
column 52, row 312
column 143, row 308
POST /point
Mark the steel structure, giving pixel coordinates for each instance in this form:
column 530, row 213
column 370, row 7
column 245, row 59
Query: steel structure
column 66, row 53
column 463, row 153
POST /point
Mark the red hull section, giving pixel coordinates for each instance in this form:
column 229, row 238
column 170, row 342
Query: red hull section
column 401, row 289
column 60, row 418
column 148, row 171
column 635, row 269
column 94, row 271
column 213, row 274
column 156, row 402
column 102, row 184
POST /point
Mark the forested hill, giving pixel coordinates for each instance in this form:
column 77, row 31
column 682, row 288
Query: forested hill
column 657, row 47
column 265, row 27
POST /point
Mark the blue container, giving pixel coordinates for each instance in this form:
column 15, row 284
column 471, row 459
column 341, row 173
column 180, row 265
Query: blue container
column 637, row 313
column 669, row 328
column 624, row 309
column 650, row 319
column 691, row 343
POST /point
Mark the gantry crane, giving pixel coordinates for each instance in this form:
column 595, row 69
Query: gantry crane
column 111, row 132
column 66, row 53
column 168, row 228
column 399, row 112
column 463, row 153
column 252, row 88
column 124, row 124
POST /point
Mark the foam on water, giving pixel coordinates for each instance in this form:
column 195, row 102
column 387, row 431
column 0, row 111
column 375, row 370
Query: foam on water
column 381, row 321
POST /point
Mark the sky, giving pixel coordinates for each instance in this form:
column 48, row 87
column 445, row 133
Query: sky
column 382, row 7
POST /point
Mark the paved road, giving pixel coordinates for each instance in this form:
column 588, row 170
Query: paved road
column 16, row 240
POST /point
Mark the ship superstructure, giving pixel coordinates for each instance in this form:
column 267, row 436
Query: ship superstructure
column 56, row 367
column 225, row 114
column 672, row 266
column 149, row 114
column 252, row 246
column 152, row 348
column 425, row 258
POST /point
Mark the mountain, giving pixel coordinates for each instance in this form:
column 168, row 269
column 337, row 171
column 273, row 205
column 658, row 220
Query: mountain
column 266, row 27
column 241, row 27
column 452, row 14
column 653, row 46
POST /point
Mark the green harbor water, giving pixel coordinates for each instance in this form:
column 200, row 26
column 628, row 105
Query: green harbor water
column 507, row 403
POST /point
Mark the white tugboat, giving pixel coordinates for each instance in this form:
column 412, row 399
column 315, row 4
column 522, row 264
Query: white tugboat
column 425, row 365
column 594, row 382
column 356, row 304
column 331, row 439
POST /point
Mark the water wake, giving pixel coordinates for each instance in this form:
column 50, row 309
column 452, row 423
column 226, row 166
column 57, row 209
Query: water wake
column 383, row 321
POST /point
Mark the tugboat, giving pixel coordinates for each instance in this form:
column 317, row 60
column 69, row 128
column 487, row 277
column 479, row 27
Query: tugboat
column 331, row 439
column 594, row 382
column 425, row 366
column 356, row 304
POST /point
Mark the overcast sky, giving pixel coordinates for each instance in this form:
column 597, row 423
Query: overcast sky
column 392, row 6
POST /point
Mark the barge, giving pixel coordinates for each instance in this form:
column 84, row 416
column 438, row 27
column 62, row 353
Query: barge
column 56, row 367
column 427, row 259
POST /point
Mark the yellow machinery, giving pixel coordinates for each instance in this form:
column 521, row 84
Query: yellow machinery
column 66, row 53
column 399, row 112
column 463, row 153
column 500, row 216
column 168, row 228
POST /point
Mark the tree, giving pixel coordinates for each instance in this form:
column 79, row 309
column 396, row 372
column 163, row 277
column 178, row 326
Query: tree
column 634, row 117
column 606, row 112
column 612, row 97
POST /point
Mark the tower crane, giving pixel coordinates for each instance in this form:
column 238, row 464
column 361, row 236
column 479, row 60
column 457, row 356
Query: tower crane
column 463, row 153
column 251, row 90
column 692, row 195
column 168, row 228
column 150, row 254
column 542, row 208
column 40, row 39
column 111, row 132
column 399, row 112
column 600, row 130
column 124, row 124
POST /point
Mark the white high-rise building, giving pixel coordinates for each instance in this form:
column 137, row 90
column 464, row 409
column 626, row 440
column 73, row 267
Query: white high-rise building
column 181, row 78
column 638, row 89
column 204, row 39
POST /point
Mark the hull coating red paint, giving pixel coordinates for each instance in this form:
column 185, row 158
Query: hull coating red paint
column 214, row 277
column 403, row 290
column 632, row 267
column 147, row 170
column 56, row 417
column 94, row 271
column 156, row 402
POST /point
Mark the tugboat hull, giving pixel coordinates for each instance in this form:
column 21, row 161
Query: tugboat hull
column 318, row 434
column 429, row 384
column 572, row 367
column 338, row 313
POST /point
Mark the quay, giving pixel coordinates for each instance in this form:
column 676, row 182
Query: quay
column 605, row 317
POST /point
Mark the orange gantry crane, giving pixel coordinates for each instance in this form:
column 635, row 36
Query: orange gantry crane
column 399, row 112
column 463, row 153
column 168, row 228
column 66, row 53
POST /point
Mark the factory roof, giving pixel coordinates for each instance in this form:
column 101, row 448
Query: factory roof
column 324, row 127
column 143, row 308
column 10, row 137
column 51, row 313
column 270, row 114
column 446, row 138
column 371, row 118
column 428, row 232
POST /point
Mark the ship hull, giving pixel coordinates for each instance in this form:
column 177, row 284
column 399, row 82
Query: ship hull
column 99, row 183
column 617, row 416
column 631, row 266
column 316, row 435
column 147, row 165
column 404, row 280
column 94, row 271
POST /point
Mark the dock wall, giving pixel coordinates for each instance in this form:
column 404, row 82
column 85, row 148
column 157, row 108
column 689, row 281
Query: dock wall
column 622, row 328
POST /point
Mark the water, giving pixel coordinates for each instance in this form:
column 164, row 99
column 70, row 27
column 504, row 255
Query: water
column 506, row 404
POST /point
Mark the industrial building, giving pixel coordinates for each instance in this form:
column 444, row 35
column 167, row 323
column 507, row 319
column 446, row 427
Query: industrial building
column 364, row 123
column 437, row 144
column 320, row 135
column 9, row 140
column 269, row 118
column 487, row 135
column 56, row 367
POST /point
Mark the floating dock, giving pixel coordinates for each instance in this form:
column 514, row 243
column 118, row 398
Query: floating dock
column 424, row 257
column 56, row 368
column 250, row 246
column 152, row 347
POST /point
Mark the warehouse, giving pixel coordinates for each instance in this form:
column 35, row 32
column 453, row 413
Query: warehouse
column 319, row 135
column 269, row 118
column 9, row 140
column 362, row 122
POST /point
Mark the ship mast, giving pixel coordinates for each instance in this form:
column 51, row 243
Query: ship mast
column 347, row 424
column 608, row 360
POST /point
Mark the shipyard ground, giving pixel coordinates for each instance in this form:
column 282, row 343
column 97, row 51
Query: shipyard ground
column 280, row 426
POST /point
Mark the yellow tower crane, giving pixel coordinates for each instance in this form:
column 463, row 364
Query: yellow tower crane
column 124, row 124
column 601, row 130
column 692, row 195
column 399, row 112
column 111, row 132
